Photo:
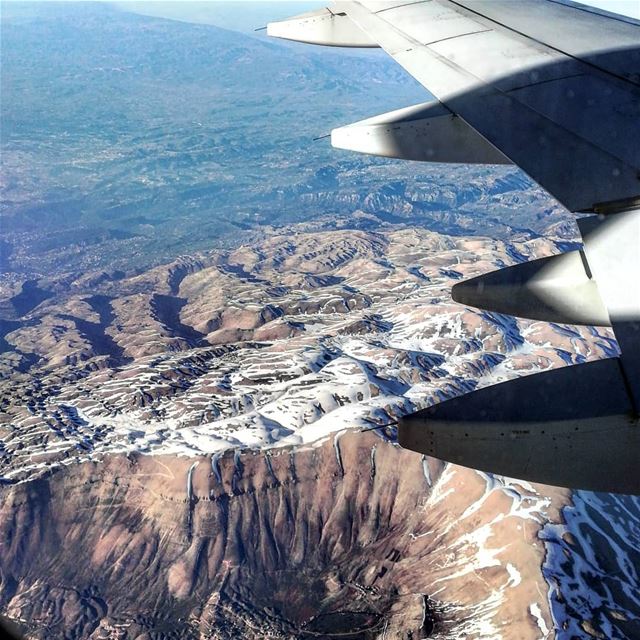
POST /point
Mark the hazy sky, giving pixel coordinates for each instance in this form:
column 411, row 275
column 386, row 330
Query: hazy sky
column 625, row 7
column 246, row 15
column 239, row 15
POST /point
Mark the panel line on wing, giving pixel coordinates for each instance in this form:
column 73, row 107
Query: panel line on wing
column 546, row 81
column 459, row 35
column 629, row 388
column 404, row 4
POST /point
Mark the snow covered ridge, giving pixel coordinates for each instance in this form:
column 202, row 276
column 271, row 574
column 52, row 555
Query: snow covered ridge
column 279, row 343
column 592, row 567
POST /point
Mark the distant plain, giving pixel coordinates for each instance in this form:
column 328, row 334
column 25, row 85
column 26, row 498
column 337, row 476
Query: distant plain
column 128, row 140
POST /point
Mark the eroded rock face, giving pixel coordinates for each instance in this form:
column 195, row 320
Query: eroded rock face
column 345, row 539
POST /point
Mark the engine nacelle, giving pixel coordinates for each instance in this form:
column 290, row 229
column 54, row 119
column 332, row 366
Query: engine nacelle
column 426, row 132
column 553, row 289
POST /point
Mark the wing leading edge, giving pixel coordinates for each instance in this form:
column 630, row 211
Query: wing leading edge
column 554, row 88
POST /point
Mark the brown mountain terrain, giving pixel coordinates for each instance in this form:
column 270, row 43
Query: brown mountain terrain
column 352, row 538
column 284, row 341
column 200, row 451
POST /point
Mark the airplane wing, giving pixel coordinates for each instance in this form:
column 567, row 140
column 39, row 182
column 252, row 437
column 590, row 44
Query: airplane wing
column 553, row 87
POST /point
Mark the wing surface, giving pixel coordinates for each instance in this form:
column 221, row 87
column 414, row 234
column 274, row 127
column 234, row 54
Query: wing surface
column 536, row 78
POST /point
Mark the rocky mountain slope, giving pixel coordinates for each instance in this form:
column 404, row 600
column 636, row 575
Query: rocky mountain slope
column 280, row 342
column 200, row 451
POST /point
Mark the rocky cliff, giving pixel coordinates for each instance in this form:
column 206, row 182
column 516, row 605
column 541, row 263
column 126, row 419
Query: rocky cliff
column 350, row 538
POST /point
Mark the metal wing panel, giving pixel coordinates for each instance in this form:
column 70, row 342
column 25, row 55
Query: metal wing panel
column 428, row 22
column 555, row 88
column 576, row 30
column 576, row 429
column 607, row 40
column 476, row 76
column 495, row 57
column 583, row 105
